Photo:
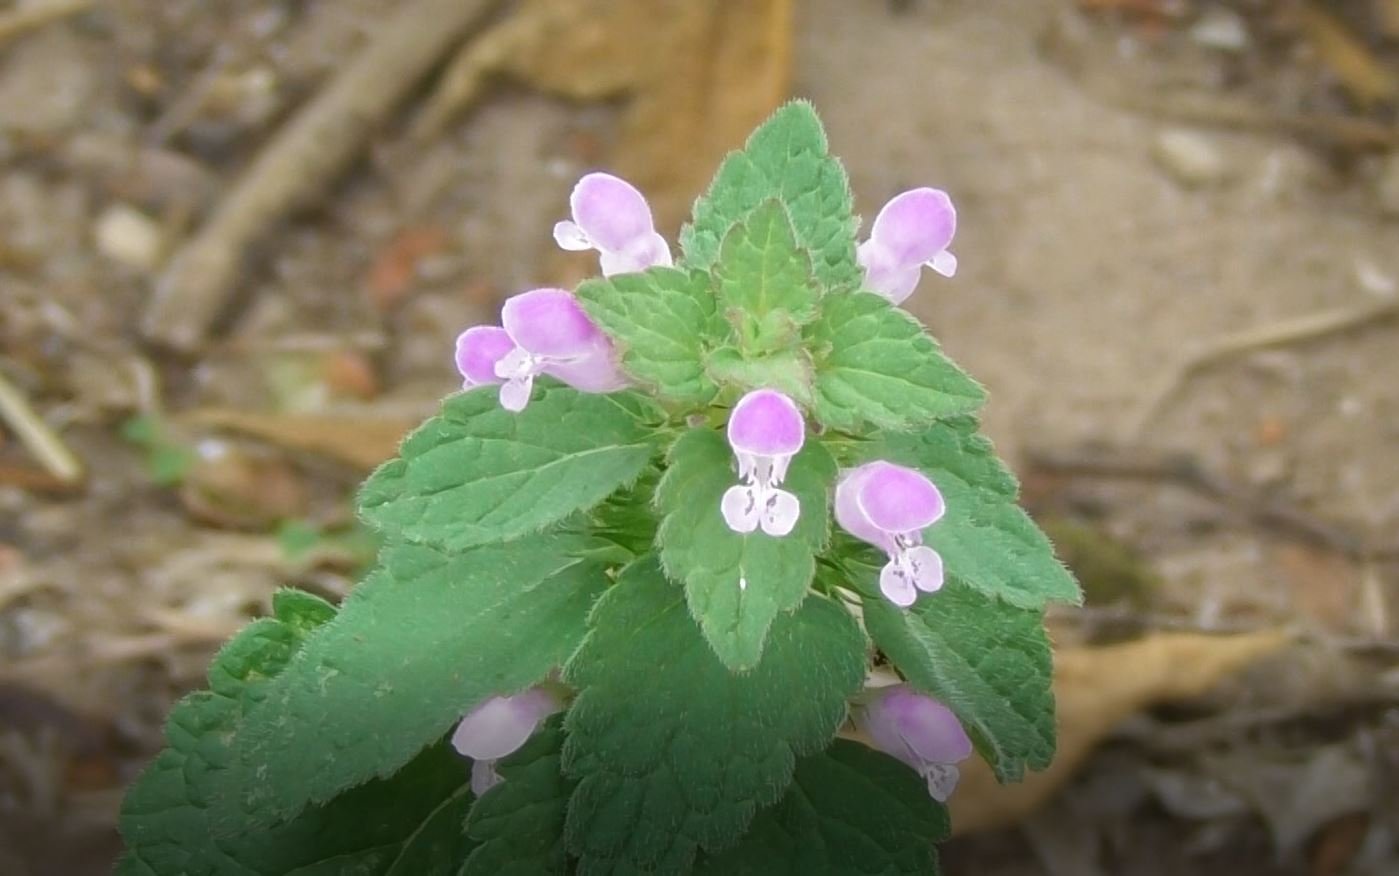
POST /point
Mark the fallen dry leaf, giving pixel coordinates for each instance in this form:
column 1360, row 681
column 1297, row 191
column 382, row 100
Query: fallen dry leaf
column 699, row 75
column 1096, row 688
column 360, row 441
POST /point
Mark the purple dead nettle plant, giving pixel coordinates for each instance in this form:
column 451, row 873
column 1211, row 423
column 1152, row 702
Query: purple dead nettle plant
column 581, row 590
column 545, row 331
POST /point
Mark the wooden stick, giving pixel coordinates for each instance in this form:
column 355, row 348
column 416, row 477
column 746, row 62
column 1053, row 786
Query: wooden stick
column 1137, row 464
column 27, row 18
column 311, row 150
column 40, row 440
column 1291, row 331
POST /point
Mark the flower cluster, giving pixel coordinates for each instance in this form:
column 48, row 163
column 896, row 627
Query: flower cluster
column 546, row 331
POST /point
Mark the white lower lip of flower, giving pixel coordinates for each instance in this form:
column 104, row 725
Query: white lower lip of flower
column 749, row 507
column 912, row 567
column 518, row 369
column 942, row 779
column 758, row 502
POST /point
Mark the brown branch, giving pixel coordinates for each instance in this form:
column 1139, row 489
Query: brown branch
column 308, row 152
column 1182, row 470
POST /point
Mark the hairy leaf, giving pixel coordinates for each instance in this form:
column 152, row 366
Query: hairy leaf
column 785, row 159
column 738, row 584
column 663, row 321
column 673, row 752
column 989, row 662
column 875, row 365
column 519, row 823
column 418, row 644
column 765, row 287
column 849, row 810
column 788, row 371
column 477, row 473
column 410, row 823
column 985, row 539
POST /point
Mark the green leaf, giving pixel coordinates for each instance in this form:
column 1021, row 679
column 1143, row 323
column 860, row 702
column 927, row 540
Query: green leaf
column 785, row 159
column 520, row 822
column 663, row 322
column 875, row 365
column 765, row 285
column 985, row 539
column 410, row 823
column 714, row 562
column 989, row 662
column 850, row 810
column 417, row 645
column 478, row 474
column 787, row 371
column 673, row 752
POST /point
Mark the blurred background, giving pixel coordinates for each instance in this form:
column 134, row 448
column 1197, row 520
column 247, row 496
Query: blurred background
column 237, row 240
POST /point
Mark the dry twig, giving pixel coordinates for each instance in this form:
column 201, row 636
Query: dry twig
column 1139, row 464
column 1278, row 334
column 305, row 155
column 37, row 437
column 27, row 18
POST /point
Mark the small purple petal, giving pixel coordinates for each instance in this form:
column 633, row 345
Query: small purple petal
column 595, row 372
column 888, row 278
column 913, row 727
column 766, row 423
column 915, row 226
column 479, row 348
column 610, row 211
column 550, row 322
column 500, row 725
column 648, row 252
column 912, row 230
column 898, row 499
column 851, row 516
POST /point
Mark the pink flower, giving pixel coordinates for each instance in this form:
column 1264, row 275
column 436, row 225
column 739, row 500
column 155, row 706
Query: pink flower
column 918, row 730
column 612, row 217
column 765, row 431
column 914, row 229
column 497, row 728
column 545, row 332
column 889, row 506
